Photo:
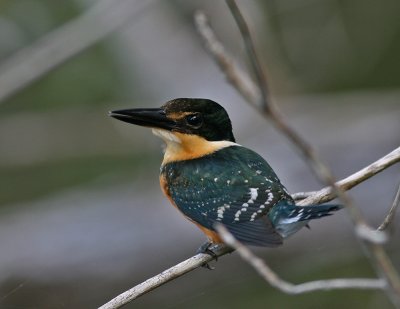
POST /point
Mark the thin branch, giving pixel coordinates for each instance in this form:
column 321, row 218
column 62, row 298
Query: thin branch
column 237, row 77
column 200, row 259
column 164, row 277
column 390, row 216
column 298, row 196
column 377, row 254
column 264, row 102
column 53, row 49
column 326, row 194
column 273, row 279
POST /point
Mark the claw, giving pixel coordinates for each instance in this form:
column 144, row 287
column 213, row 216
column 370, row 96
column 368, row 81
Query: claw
column 210, row 249
column 204, row 248
column 208, row 266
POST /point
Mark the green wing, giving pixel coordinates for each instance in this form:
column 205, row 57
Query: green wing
column 234, row 186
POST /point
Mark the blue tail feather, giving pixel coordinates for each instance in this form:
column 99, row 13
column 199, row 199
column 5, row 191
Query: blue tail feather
column 289, row 218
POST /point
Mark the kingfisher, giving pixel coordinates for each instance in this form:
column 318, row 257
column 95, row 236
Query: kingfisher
column 211, row 179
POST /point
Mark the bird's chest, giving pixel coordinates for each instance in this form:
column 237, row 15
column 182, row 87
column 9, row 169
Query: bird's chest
column 173, row 175
column 193, row 186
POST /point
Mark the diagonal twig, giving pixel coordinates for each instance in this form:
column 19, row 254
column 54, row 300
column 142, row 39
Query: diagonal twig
column 164, row 277
column 392, row 212
column 273, row 279
column 236, row 76
column 326, row 194
column 264, row 103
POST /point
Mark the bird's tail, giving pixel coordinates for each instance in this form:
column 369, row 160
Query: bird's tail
column 289, row 218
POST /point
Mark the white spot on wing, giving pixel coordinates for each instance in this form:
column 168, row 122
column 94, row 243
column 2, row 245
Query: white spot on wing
column 253, row 193
column 290, row 220
column 220, row 213
column 221, row 210
column 237, row 215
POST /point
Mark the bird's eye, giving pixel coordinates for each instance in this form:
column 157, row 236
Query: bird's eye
column 194, row 120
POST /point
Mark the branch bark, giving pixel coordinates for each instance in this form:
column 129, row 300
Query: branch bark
column 200, row 259
column 273, row 279
column 326, row 194
column 392, row 212
column 162, row 278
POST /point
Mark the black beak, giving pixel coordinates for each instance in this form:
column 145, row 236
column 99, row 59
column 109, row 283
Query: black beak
column 146, row 117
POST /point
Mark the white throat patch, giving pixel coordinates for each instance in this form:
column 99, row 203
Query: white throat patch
column 166, row 136
column 181, row 146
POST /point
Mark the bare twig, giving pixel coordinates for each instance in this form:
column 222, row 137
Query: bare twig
column 326, row 194
column 264, row 102
column 198, row 260
column 14, row 290
column 369, row 235
column 298, row 196
column 32, row 62
column 237, row 77
column 390, row 216
column 273, row 279
column 164, row 277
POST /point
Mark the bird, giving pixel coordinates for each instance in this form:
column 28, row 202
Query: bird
column 212, row 180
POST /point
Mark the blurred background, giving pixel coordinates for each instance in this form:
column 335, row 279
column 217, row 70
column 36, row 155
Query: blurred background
column 82, row 217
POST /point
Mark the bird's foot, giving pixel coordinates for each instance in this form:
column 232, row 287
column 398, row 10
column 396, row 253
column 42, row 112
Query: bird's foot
column 210, row 249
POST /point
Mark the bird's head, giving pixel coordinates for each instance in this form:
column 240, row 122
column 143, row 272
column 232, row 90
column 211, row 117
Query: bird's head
column 181, row 118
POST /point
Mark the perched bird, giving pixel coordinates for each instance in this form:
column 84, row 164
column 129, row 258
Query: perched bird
column 210, row 178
